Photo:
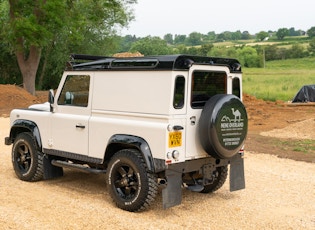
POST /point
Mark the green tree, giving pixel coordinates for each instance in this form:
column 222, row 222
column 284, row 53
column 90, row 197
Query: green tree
column 218, row 51
column 211, row 36
column 194, row 39
column 293, row 32
column 8, row 68
column 205, row 49
column 226, row 35
column 262, row 35
column 236, row 35
column 168, row 38
column 151, row 46
column 282, row 53
column 179, row 39
column 246, row 35
column 126, row 42
column 281, row 33
column 34, row 25
column 271, row 52
column 311, row 47
column 249, row 57
column 297, row 51
column 311, row 32
column 180, row 49
column 193, row 50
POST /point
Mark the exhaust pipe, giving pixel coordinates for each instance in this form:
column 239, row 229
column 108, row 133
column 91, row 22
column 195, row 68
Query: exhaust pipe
column 162, row 182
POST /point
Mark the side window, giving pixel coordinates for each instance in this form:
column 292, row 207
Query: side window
column 236, row 87
column 179, row 92
column 75, row 91
column 206, row 84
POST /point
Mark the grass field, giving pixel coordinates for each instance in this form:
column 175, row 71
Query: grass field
column 279, row 80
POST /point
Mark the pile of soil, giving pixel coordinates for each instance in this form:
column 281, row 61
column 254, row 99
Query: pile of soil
column 268, row 115
column 12, row 97
column 128, row 54
column 272, row 119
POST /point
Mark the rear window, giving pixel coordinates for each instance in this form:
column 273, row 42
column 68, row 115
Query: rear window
column 206, row 84
column 236, row 87
column 179, row 92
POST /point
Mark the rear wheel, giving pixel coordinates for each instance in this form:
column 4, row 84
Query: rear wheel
column 220, row 175
column 27, row 160
column 131, row 186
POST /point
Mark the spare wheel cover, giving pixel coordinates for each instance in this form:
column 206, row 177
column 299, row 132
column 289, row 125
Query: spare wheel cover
column 223, row 126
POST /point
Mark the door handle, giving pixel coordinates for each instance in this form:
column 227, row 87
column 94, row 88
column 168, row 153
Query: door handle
column 193, row 120
column 80, row 126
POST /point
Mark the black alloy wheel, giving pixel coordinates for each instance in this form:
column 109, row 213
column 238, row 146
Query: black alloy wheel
column 131, row 186
column 27, row 160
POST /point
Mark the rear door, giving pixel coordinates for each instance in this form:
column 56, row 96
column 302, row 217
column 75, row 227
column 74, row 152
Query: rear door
column 204, row 82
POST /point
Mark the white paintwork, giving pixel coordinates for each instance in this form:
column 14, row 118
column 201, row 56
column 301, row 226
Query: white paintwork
column 133, row 92
column 43, row 107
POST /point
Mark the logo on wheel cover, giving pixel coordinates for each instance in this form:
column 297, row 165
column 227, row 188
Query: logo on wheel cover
column 232, row 128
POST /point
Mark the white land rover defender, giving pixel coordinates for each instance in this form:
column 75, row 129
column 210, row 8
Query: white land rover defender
column 175, row 121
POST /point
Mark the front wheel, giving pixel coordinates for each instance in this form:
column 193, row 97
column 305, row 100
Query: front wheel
column 27, row 160
column 131, row 186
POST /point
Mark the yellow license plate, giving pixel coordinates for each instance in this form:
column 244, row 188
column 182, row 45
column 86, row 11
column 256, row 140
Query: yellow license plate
column 174, row 139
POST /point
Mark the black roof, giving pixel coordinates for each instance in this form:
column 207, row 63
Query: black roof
column 163, row 62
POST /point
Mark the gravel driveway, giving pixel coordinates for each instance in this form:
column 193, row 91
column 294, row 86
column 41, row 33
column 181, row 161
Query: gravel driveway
column 279, row 194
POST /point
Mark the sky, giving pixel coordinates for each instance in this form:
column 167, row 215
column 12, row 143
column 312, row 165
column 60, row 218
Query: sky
column 160, row 17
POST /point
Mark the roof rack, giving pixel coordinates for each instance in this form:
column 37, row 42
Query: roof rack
column 165, row 62
column 83, row 58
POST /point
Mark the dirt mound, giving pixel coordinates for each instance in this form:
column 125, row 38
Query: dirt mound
column 127, row 54
column 268, row 115
column 12, row 96
column 299, row 130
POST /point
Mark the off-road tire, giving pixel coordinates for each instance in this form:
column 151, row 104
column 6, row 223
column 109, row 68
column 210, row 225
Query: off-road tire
column 220, row 178
column 130, row 184
column 27, row 160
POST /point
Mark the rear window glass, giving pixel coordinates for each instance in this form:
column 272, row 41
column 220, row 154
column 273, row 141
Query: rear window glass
column 236, row 87
column 206, row 84
column 179, row 92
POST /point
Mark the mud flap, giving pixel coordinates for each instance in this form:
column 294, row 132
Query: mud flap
column 172, row 194
column 51, row 171
column 237, row 175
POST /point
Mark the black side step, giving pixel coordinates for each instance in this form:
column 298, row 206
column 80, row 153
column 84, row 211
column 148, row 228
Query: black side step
column 66, row 164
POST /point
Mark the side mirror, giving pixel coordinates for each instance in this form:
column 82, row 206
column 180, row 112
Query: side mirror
column 51, row 99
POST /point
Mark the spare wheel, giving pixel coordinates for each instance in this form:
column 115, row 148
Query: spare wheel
column 223, row 126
